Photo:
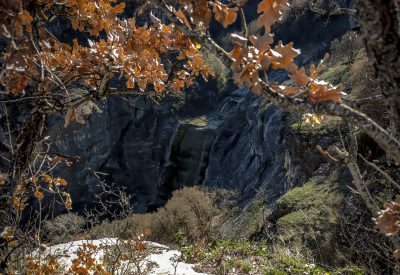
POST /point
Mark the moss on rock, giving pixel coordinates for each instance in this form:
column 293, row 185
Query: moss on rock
column 309, row 215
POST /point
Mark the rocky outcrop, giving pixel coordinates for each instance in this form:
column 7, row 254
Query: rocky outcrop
column 239, row 146
column 227, row 139
column 125, row 144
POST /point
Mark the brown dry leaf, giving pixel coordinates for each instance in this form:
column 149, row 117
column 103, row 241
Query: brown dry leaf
column 286, row 90
column 298, row 75
column 17, row 83
column 24, row 19
column 314, row 72
column 182, row 17
column 178, row 84
column 201, row 15
column 388, row 220
column 248, row 77
column 61, row 182
column 47, row 179
column 7, row 233
column 118, row 8
column 323, row 91
column 270, row 13
column 262, row 43
column 81, row 4
column 140, row 246
column 68, row 201
column 38, row 195
column 237, row 54
column 57, row 159
column 224, row 15
column 130, row 83
column 13, row 243
column 286, row 55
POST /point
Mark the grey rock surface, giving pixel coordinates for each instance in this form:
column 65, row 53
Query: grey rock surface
column 229, row 140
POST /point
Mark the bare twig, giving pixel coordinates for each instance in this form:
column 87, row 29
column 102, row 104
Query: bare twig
column 383, row 173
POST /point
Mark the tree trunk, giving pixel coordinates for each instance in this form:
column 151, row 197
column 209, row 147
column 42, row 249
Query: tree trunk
column 379, row 21
column 27, row 141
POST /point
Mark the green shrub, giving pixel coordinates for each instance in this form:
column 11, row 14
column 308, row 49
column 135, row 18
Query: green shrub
column 190, row 211
column 64, row 228
column 309, row 215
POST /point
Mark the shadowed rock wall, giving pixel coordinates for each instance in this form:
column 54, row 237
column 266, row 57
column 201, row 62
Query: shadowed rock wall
column 227, row 139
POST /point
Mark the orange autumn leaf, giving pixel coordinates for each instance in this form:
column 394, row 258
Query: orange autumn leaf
column 16, row 82
column 130, row 83
column 315, row 71
column 388, row 220
column 286, row 90
column 118, row 8
column 262, row 43
column 47, row 179
column 238, row 53
column 68, row 201
column 182, row 17
column 298, row 75
column 81, row 4
column 248, row 77
column 201, row 15
column 224, row 15
column 178, row 84
column 24, row 19
column 322, row 91
column 57, row 159
column 61, row 182
column 270, row 13
column 286, row 55
column 38, row 195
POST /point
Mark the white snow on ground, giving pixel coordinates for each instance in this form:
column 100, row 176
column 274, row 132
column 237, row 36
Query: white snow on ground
column 166, row 266
column 165, row 260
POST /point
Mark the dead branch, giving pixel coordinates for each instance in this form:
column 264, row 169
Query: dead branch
column 351, row 116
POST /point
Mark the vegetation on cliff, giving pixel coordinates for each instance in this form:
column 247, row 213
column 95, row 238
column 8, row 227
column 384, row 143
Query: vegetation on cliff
column 159, row 49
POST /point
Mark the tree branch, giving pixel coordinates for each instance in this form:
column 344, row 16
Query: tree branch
column 357, row 177
column 335, row 12
column 383, row 173
column 351, row 116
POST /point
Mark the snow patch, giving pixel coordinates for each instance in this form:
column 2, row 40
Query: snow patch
column 161, row 259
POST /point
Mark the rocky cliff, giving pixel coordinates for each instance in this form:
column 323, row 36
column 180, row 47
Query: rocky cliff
column 228, row 139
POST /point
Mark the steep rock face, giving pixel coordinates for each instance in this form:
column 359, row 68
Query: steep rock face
column 239, row 146
column 126, row 143
column 230, row 141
